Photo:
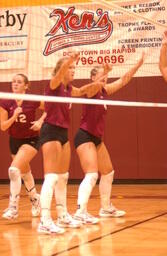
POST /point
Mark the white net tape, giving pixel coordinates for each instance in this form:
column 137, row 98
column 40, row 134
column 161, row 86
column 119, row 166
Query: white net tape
column 33, row 97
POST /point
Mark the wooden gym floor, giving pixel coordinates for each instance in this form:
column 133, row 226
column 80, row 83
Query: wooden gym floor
column 142, row 232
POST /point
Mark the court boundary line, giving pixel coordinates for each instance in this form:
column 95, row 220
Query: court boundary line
column 109, row 234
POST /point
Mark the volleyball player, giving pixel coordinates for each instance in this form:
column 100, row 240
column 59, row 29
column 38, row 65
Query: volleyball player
column 163, row 56
column 56, row 147
column 18, row 117
column 92, row 151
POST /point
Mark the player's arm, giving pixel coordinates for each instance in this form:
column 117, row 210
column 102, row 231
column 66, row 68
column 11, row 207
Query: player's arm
column 42, row 105
column 90, row 89
column 163, row 57
column 58, row 78
column 118, row 84
column 5, row 122
column 107, row 68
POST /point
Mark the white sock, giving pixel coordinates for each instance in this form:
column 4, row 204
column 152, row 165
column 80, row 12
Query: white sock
column 29, row 183
column 15, row 185
column 105, row 186
column 61, row 194
column 85, row 190
column 47, row 194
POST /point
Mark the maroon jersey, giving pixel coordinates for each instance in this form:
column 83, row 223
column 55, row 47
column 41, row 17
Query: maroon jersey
column 92, row 119
column 58, row 113
column 21, row 127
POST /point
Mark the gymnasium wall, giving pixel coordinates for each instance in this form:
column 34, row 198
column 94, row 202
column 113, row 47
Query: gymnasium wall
column 136, row 137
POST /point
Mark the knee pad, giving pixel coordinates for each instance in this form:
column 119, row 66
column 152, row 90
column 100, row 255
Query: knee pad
column 51, row 179
column 14, row 173
column 91, row 178
column 109, row 177
column 63, row 177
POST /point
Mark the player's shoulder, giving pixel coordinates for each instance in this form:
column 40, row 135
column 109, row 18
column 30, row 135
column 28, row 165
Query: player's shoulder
column 7, row 103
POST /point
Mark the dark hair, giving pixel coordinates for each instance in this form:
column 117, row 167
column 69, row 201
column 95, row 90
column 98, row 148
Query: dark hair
column 59, row 64
column 25, row 78
column 94, row 71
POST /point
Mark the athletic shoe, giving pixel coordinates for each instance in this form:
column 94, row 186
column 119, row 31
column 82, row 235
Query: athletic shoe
column 67, row 221
column 86, row 218
column 49, row 227
column 111, row 212
column 10, row 213
column 35, row 201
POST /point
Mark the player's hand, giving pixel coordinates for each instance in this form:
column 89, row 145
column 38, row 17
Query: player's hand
column 17, row 111
column 164, row 37
column 107, row 68
column 36, row 125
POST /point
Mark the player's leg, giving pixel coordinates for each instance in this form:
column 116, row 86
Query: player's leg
column 64, row 218
column 52, row 151
column 21, row 154
column 88, row 159
column 105, row 184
